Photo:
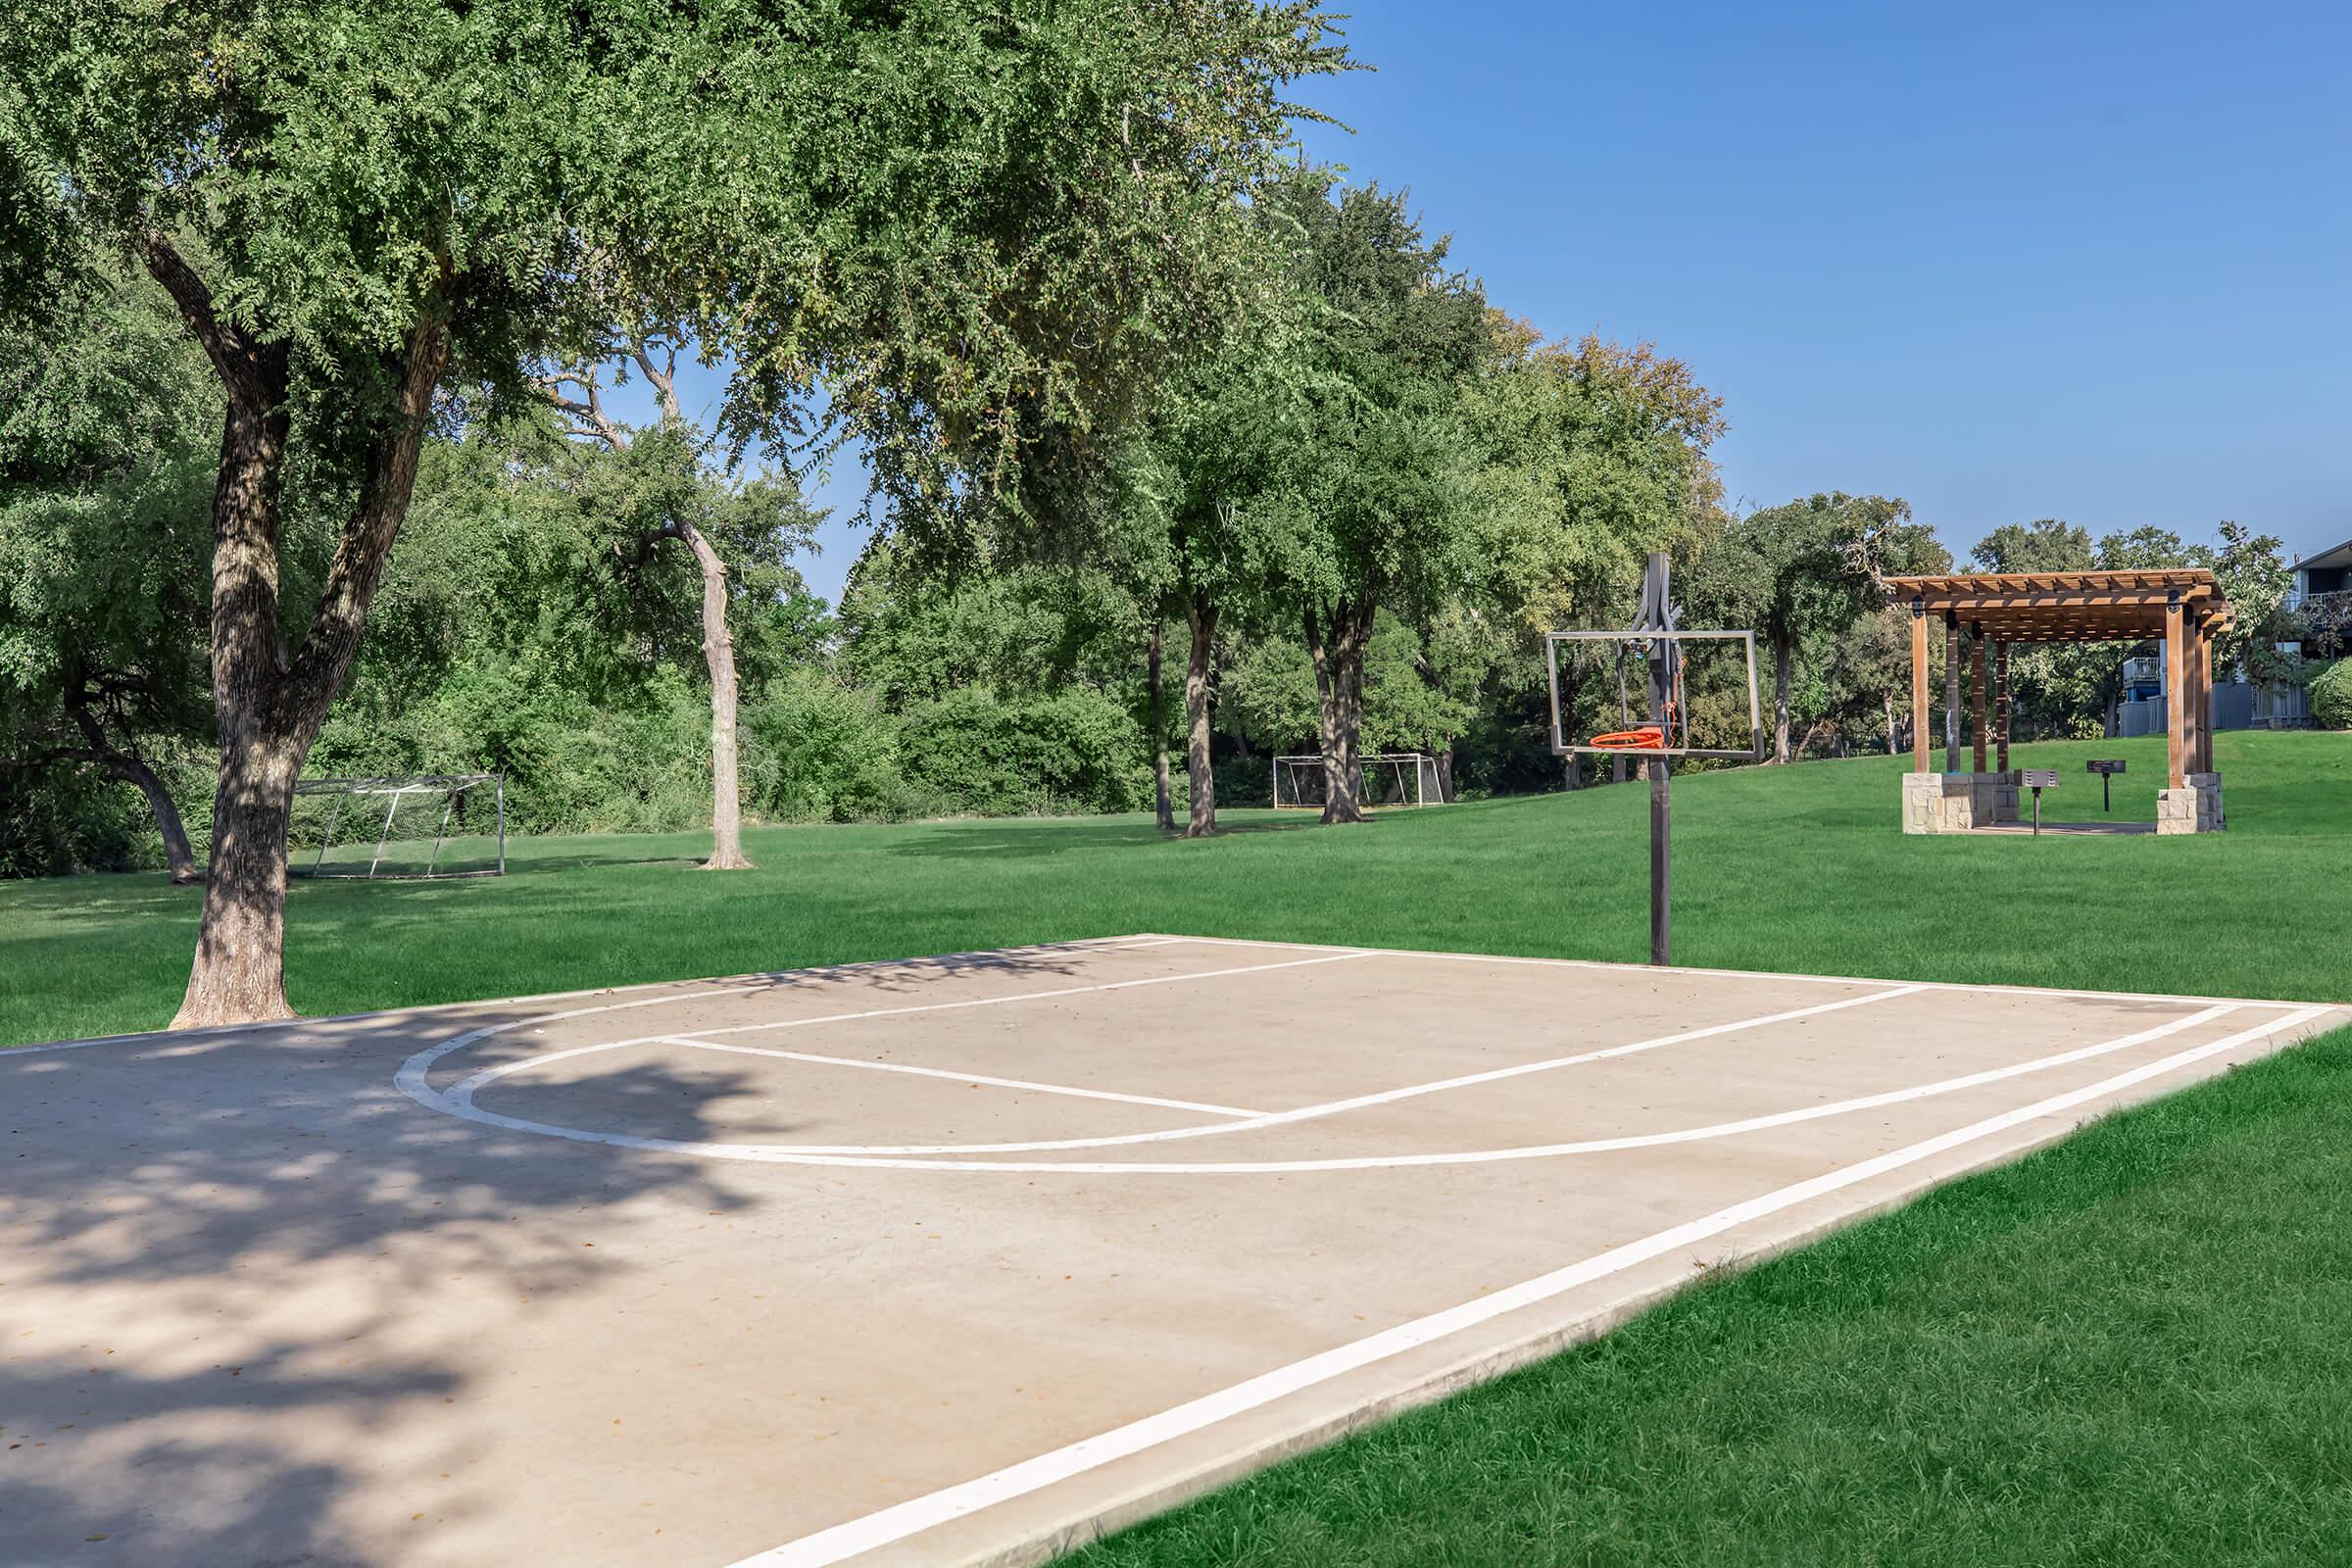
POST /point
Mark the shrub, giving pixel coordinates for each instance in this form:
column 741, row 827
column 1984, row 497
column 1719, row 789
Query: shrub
column 1074, row 751
column 818, row 751
column 2332, row 696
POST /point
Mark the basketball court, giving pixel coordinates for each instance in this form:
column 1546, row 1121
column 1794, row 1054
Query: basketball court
column 940, row 1262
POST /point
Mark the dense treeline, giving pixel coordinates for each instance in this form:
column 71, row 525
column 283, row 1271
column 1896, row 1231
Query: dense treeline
column 1322, row 549
column 1186, row 452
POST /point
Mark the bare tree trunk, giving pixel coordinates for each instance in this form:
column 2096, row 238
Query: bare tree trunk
column 269, row 706
column 718, row 652
column 1338, row 654
column 122, row 765
column 1327, row 708
column 1155, row 716
column 178, row 857
column 1201, row 616
column 1783, row 655
column 1446, row 775
column 1888, row 697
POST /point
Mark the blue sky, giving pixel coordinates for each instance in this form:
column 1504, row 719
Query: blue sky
column 2005, row 262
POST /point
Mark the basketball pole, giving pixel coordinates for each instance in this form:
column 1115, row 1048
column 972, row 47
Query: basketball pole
column 1655, row 616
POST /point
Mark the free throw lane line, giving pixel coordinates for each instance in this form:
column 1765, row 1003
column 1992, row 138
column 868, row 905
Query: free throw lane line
column 459, row 1099
column 902, row 1158
column 957, row 1077
column 414, row 1077
column 903, row 1520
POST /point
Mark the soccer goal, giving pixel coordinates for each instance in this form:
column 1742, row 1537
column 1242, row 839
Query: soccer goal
column 440, row 825
column 1391, row 778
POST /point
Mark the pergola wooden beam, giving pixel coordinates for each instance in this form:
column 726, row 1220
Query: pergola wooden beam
column 2175, row 706
column 1966, row 604
column 1976, row 684
column 1951, row 693
column 1919, row 690
column 2012, row 582
column 2000, row 702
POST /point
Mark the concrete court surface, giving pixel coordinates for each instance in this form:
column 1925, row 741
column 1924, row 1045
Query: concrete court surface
column 937, row 1261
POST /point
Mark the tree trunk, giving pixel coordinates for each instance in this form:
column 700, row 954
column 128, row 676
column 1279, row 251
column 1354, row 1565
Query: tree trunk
column 718, row 651
column 1201, row 617
column 269, row 706
column 178, row 857
column 122, row 765
column 239, row 970
column 1446, row 775
column 1887, row 697
column 1338, row 653
column 1783, row 655
column 1155, row 716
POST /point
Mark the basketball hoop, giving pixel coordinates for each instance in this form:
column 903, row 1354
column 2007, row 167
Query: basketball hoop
column 1669, row 721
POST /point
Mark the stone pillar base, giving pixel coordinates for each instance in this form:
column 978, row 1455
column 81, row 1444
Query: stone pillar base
column 2196, row 807
column 1957, row 803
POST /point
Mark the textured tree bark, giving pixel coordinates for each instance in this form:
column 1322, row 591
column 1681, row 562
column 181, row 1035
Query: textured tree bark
column 239, row 971
column 269, row 706
column 1446, row 775
column 1783, row 655
column 1336, row 648
column 718, row 652
column 1155, row 714
column 1201, row 618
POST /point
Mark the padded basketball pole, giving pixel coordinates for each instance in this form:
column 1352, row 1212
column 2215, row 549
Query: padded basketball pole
column 1657, row 616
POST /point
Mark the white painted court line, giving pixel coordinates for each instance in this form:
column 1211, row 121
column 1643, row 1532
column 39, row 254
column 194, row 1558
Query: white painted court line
column 459, row 1099
column 412, row 1077
column 1766, row 974
column 957, row 1077
column 1256, row 1121
column 787, row 1153
column 903, row 1520
column 1323, row 955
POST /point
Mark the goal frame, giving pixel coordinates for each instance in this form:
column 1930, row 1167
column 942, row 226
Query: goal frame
column 1419, row 761
column 395, row 787
column 1561, row 746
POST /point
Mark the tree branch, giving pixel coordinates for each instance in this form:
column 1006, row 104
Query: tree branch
column 666, row 379
column 253, row 375
column 587, row 411
column 389, row 478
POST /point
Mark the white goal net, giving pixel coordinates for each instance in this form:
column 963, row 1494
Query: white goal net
column 442, row 825
column 1391, row 778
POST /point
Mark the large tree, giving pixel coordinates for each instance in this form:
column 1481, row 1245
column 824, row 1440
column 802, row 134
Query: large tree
column 1376, row 499
column 675, row 510
column 960, row 215
column 1595, row 456
column 1805, row 569
column 1196, row 476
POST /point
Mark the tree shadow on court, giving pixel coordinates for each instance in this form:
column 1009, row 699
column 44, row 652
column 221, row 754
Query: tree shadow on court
column 245, row 1273
column 89, row 1448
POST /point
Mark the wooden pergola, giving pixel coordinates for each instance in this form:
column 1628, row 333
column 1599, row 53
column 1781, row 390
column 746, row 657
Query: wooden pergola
column 2184, row 609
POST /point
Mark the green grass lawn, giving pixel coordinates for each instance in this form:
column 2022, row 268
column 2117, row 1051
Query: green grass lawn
column 2131, row 1347
column 1775, row 868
